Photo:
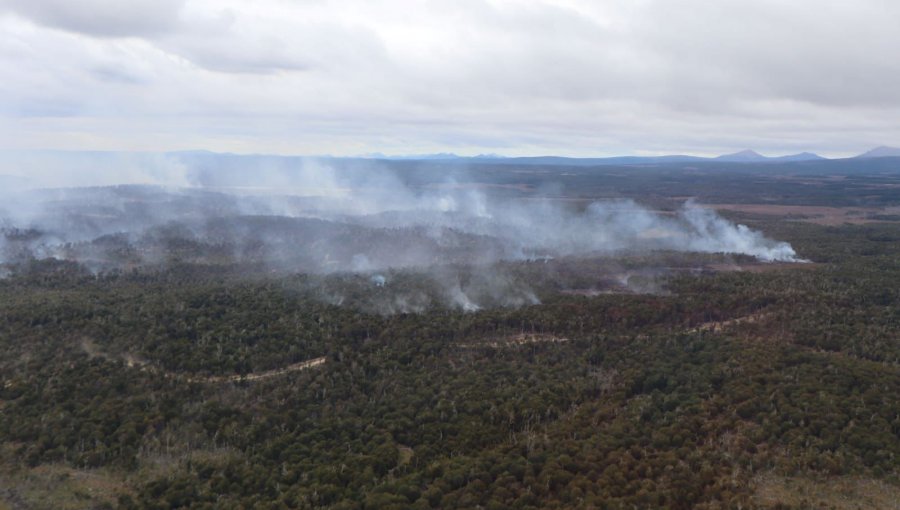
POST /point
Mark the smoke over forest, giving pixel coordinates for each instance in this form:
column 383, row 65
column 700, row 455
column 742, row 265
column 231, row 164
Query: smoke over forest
column 320, row 218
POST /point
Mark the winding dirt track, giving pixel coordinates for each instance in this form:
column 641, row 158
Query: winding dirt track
column 718, row 326
column 135, row 362
column 515, row 340
column 303, row 365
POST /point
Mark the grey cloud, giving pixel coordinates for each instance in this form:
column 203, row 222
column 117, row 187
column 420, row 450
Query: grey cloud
column 116, row 74
column 102, row 18
column 829, row 53
column 573, row 77
column 309, row 47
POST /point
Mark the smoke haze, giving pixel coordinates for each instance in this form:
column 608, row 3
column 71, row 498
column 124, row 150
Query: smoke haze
column 319, row 219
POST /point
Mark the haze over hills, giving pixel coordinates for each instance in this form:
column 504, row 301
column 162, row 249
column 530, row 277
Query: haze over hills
column 881, row 152
column 48, row 168
column 540, row 254
column 442, row 317
column 750, row 156
column 743, row 156
column 232, row 296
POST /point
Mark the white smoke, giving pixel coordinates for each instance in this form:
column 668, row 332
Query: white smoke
column 361, row 219
column 712, row 233
column 537, row 228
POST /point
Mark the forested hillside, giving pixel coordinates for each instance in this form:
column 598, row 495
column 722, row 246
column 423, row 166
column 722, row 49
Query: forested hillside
column 183, row 386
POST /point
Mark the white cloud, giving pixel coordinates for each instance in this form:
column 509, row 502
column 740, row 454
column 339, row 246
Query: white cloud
column 515, row 77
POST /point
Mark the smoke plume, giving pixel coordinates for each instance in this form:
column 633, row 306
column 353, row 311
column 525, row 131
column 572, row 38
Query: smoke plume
column 318, row 217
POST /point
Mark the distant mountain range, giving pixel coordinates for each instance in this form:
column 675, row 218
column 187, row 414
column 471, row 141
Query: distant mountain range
column 48, row 168
column 744, row 156
column 749, row 156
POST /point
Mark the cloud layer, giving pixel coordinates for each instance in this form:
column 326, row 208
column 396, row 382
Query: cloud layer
column 567, row 77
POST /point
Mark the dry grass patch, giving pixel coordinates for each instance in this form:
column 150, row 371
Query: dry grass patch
column 61, row 487
column 820, row 215
column 718, row 326
column 840, row 493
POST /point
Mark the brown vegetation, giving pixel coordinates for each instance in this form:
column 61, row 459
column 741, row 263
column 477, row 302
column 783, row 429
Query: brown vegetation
column 837, row 492
column 820, row 215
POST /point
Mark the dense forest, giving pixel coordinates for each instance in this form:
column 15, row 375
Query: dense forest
column 648, row 380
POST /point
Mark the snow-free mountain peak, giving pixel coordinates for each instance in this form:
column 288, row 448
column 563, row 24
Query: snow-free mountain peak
column 744, row 156
column 881, row 152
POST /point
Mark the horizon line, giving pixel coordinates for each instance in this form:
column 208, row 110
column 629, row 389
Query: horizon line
column 441, row 155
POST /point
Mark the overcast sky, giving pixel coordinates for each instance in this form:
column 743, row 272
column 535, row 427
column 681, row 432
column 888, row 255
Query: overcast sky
column 569, row 77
